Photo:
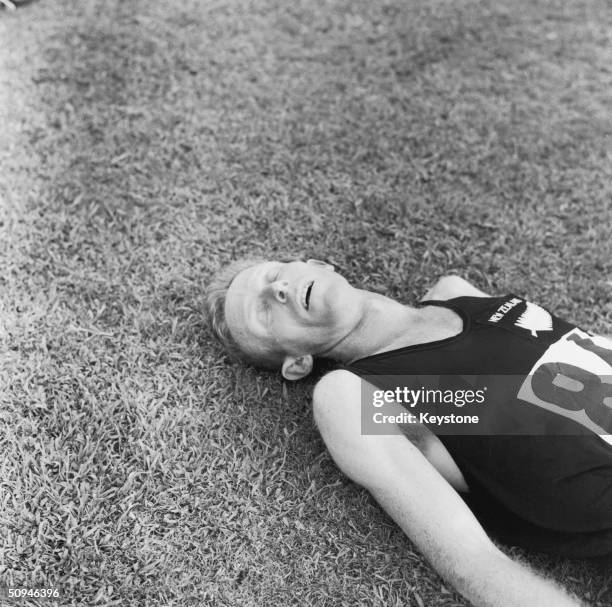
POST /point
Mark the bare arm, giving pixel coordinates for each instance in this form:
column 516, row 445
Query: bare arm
column 443, row 528
column 424, row 505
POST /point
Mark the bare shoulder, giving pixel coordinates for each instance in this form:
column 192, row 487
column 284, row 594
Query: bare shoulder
column 339, row 394
column 339, row 383
column 451, row 286
column 337, row 408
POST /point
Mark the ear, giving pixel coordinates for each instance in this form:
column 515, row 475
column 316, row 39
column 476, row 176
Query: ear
column 318, row 262
column 295, row 368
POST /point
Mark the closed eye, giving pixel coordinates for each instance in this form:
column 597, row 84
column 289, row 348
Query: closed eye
column 265, row 312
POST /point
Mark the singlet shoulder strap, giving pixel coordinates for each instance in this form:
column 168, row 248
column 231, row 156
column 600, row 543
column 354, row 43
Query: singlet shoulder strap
column 467, row 302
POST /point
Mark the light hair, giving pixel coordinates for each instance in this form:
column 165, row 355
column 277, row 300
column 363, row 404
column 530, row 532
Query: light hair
column 215, row 311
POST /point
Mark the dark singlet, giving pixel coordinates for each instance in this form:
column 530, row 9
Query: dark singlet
column 550, row 492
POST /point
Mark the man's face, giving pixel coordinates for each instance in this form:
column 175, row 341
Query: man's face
column 294, row 308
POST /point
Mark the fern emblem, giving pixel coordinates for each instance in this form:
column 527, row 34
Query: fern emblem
column 534, row 319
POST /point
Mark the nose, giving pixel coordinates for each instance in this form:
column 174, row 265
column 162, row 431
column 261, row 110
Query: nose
column 280, row 290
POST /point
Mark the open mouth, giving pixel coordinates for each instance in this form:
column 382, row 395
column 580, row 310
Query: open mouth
column 306, row 292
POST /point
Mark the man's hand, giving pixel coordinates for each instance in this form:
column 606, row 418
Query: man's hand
column 423, row 504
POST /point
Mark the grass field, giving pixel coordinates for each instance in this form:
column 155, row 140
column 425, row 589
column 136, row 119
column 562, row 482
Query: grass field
column 145, row 143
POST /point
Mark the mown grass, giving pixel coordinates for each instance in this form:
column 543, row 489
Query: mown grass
column 146, row 143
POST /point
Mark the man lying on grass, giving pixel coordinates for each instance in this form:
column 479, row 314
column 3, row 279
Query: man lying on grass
column 550, row 491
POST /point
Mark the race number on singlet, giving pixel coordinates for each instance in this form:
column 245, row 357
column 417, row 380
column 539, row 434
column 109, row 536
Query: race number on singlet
column 574, row 378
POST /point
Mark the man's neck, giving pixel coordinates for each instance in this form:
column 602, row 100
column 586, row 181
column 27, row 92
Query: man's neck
column 383, row 325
